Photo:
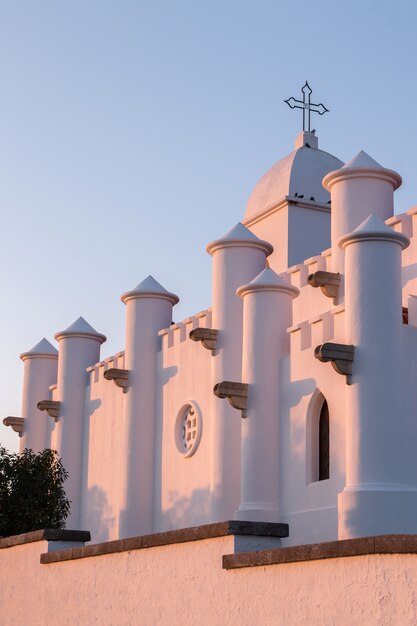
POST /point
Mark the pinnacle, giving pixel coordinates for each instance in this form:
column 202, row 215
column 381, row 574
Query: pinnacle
column 149, row 285
column 239, row 231
column 43, row 347
column 362, row 160
column 80, row 327
column 372, row 224
column 268, row 277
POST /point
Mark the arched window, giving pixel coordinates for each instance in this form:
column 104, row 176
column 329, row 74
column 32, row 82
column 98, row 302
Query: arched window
column 324, row 443
column 317, row 439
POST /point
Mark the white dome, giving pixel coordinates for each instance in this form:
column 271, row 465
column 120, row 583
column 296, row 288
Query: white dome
column 299, row 173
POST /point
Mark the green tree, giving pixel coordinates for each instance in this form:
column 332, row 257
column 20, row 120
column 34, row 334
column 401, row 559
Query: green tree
column 32, row 492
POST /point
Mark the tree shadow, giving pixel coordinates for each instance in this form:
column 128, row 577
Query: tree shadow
column 99, row 515
column 186, row 511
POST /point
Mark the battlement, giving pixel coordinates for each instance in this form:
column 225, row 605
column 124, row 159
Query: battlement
column 318, row 329
column 178, row 333
column 298, row 274
column 403, row 223
column 116, row 361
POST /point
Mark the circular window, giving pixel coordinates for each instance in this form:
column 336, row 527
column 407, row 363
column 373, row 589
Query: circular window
column 188, row 429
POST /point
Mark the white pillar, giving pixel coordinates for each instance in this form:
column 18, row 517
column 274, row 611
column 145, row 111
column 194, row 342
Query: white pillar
column 79, row 347
column 237, row 258
column 380, row 496
column 359, row 188
column 40, row 372
column 148, row 310
column 267, row 313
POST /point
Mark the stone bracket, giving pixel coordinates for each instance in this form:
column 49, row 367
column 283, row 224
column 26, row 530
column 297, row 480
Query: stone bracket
column 16, row 423
column 236, row 393
column 51, row 407
column 118, row 376
column 340, row 355
column 207, row 336
column 329, row 283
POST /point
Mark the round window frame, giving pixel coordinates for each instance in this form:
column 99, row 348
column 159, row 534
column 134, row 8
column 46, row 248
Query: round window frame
column 179, row 440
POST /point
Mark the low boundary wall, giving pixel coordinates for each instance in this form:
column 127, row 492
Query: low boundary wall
column 200, row 576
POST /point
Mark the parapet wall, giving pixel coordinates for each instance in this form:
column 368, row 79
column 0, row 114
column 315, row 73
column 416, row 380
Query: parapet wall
column 183, row 481
column 202, row 580
column 178, row 333
column 311, row 304
column 96, row 371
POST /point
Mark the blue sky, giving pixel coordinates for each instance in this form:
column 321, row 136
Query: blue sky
column 132, row 132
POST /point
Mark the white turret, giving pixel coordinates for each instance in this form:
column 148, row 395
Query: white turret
column 79, row 347
column 267, row 314
column 237, row 258
column 148, row 310
column 381, row 431
column 40, row 372
column 359, row 188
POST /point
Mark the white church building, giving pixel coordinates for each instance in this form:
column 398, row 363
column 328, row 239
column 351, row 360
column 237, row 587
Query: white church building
column 293, row 399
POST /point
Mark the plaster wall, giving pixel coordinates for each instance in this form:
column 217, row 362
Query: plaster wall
column 185, row 584
column 308, row 233
column 102, row 452
column 182, row 495
column 274, row 229
column 309, row 505
column 311, row 302
column 296, row 234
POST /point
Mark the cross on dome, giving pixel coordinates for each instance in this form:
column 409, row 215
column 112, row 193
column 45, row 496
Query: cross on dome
column 307, row 106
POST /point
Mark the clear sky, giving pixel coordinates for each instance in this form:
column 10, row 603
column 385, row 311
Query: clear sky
column 132, row 132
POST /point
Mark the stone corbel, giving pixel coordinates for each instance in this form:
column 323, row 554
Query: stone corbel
column 329, row 283
column 236, row 393
column 16, row 423
column 51, row 407
column 118, row 376
column 207, row 336
column 340, row 355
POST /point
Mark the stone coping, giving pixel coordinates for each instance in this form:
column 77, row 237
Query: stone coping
column 52, row 534
column 382, row 544
column 196, row 533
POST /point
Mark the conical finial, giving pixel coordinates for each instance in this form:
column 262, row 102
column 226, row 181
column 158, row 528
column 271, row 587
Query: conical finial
column 149, row 288
column 80, row 328
column 239, row 235
column 42, row 349
column 374, row 228
column 268, row 280
column 362, row 160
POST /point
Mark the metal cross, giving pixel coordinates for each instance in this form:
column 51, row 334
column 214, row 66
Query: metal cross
column 307, row 106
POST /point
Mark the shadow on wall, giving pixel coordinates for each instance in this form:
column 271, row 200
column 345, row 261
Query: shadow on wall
column 409, row 274
column 293, row 392
column 99, row 519
column 184, row 512
column 167, row 373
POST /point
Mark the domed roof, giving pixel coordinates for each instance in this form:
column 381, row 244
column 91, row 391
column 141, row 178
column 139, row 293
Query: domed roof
column 300, row 173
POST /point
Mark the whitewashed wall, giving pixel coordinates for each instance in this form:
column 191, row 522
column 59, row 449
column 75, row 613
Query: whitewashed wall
column 183, row 482
column 102, row 452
